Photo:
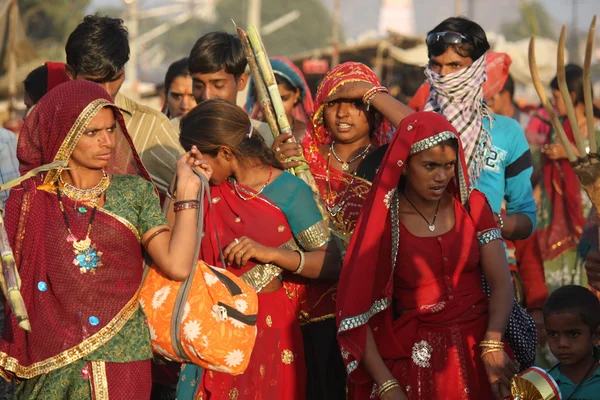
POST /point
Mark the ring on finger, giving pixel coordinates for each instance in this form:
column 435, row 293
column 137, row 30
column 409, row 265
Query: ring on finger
column 237, row 240
column 277, row 149
column 241, row 253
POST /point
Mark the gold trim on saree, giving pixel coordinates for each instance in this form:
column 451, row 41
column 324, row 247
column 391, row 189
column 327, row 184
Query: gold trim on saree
column 128, row 225
column 262, row 274
column 314, row 237
column 99, row 381
column 74, row 353
column 67, row 146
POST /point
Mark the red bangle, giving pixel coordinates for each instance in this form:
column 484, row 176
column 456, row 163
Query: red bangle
column 371, row 93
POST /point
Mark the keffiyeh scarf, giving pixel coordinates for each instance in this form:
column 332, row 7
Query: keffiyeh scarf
column 459, row 98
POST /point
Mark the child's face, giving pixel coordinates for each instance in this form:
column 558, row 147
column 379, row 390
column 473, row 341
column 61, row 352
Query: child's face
column 570, row 339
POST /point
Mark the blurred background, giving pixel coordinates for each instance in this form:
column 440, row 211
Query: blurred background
column 388, row 35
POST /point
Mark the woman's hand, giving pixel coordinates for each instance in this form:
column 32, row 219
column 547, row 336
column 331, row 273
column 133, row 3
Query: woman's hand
column 241, row 250
column 500, row 370
column 186, row 164
column 554, row 151
column 394, row 394
column 284, row 151
column 350, row 91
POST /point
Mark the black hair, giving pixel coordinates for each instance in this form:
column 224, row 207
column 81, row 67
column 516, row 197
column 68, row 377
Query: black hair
column 509, row 86
column 475, row 46
column 98, row 47
column 216, row 51
column 36, row 83
column 577, row 300
column 177, row 69
column 574, row 77
column 216, row 123
column 286, row 83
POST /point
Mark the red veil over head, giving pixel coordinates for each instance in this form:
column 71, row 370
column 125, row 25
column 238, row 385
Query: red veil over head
column 71, row 313
column 366, row 284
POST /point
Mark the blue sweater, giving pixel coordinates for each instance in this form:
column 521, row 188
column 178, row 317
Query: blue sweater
column 508, row 168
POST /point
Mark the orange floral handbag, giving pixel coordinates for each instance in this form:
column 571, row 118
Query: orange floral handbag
column 209, row 319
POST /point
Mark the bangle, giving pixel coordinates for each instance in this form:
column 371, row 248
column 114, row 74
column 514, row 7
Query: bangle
column 394, row 386
column 386, row 387
column 371, row 93
column 186, row 201
column 491, row 343
column 301, row 265
column 491, row 351
column 183, row 205
column 501, row 220
column 155, row 234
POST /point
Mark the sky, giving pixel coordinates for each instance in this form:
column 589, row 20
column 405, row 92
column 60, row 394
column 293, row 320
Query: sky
column 359, row 16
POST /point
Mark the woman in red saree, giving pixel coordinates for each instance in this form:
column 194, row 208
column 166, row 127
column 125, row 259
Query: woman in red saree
column 271, row 233
column 414, row 323
column 344, row 146
column 76, row 224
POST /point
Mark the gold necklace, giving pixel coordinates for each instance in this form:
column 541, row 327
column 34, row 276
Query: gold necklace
column 91, row 195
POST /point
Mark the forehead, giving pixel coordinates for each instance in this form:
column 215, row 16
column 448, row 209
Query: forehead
column 220, row 75
column 181, row 82
column 450, row 56
column 438, row 152
column 104, row 118
column 565, row 320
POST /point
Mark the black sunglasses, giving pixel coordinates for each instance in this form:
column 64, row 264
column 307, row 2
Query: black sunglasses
column 447, row 37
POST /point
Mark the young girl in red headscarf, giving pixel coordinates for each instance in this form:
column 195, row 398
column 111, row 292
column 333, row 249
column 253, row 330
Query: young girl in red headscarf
column 413, row 320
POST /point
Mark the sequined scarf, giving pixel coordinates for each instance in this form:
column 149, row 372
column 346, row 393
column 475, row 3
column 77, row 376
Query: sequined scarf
column 459, row 97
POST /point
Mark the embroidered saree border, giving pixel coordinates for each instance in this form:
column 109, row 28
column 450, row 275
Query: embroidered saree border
column 314, row 237
column 75, row 353
column 261, row 274
column 99, row 381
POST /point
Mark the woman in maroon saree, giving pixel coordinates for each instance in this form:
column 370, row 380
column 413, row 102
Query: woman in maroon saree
column 76, row 223
column 411, row 311
column 272, row 234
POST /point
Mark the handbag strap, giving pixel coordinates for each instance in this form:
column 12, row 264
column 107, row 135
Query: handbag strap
column 204, row 193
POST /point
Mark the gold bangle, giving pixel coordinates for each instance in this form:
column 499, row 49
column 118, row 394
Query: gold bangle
column 155, row 234
column 387, row 389
column 385, row 386
column 496, row 342
column 491, row 351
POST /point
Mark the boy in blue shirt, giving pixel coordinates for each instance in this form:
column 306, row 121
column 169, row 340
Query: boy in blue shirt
column 572, row 318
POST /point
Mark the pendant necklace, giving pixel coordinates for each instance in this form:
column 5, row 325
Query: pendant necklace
column 432, row 223
column 334, row 209
column 87, row 258
column 346, row 165
column 253, row 195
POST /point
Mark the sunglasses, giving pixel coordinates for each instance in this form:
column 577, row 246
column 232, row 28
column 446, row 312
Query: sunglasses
column 447, row 37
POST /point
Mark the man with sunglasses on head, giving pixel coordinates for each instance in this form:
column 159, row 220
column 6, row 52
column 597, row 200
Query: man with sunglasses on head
column 496, row 150
column 497, row 154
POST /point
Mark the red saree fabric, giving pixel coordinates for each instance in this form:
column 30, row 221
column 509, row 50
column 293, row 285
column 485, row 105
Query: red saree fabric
column 56, row 74
column 276, row 369
column 71, row 313
column 322, row 296
column 431, row 348
column 563, row 190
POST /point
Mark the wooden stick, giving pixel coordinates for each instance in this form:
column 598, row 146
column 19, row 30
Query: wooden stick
column 539, row 88
column 587, row 89
column 566, row 95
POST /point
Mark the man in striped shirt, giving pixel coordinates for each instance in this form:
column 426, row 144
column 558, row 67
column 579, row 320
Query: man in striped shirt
column 97, row 50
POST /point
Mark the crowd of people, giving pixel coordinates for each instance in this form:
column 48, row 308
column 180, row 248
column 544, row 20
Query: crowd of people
column 443, row 250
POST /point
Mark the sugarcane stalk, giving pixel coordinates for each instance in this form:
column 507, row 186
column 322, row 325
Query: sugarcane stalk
column 266, row 72
column 10, row 282
column 269, row 78
column 564, row 92
column 259, row 84
column 587, row 89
